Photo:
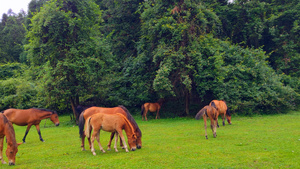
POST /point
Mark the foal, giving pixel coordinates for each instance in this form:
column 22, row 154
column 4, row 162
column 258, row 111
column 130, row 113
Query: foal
column 212, row 113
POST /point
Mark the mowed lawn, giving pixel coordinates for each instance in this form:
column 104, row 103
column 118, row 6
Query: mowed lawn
column 269, row 141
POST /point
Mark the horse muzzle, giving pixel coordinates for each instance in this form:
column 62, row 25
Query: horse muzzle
column 133, row 149
column 11, row 163
column 138, row 146
column 57, row 124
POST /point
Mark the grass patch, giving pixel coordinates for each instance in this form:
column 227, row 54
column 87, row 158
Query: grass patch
column 250, row 142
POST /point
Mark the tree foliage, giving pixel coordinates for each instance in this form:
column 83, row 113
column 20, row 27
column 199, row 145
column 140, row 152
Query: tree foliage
column 129, row 52
column 65, row 42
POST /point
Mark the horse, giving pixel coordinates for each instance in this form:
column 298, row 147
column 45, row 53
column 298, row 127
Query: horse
column 29, row 117
column 212, row 113
column 152, row 107
column 110, row 123
column 7, row 130
column 221, row 106
column 120, row 109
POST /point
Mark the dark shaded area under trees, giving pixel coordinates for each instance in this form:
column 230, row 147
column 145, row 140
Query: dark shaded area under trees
column 66, row 53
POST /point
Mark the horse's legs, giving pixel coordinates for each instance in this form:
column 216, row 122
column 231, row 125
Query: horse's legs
column 1, row 149
column 157, row 114
column 205, row 126
column 109, row 143
column 39, row 132
column 82, row 142
column 89, row 140
column 116, row 142
column 123, row 140
column 26, row 132
column 98, row 140
column 92, row 143
column 213, row 127
column 145, row 114
column 223, row 119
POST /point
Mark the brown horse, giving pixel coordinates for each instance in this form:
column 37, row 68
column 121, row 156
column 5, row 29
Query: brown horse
column 152, row 107
column 212, row 113
column 30, row 117
column 110, row 123
column 221, row 106
column 7, row 130
column 120, row 109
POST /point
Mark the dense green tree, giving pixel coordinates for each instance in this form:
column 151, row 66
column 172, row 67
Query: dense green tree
column 66, row 44
column 12, row 34
column 121, row 26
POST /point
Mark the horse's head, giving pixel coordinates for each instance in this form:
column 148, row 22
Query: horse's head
column 11, row 152
column 132, row 142
column 228, row 118
column 54, row 119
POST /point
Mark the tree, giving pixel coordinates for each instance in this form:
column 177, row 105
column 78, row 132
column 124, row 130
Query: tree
column 170, row 31
column 12, row 34
column 65, row 42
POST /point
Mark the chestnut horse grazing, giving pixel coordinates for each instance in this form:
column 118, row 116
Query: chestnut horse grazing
column 29, row 117
column 212, row 113
column 221, row 106
column 110, row 123
column 120, row 109
column 7, row 130
column 152, row 107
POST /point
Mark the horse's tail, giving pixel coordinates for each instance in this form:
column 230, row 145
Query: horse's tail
column 142, row 109
column 81, row 125
column 87, row 127
column 200, row 114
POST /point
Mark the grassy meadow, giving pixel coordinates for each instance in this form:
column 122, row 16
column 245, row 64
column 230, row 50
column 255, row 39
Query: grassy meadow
column 271, row 141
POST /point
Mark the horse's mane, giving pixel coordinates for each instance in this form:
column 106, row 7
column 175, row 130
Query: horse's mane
column 127, row 121
column 11, row 128
column 41, row 109
column 131, row 119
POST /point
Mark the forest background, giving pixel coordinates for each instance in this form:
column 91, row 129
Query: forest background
column 65, row 53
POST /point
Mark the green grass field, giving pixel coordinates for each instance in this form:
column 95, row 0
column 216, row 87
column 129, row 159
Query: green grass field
column 271, row 141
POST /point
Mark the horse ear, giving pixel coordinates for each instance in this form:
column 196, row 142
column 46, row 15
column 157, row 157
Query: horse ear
column 19, row 143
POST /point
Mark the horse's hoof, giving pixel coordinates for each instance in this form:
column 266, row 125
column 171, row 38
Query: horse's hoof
column 94, row 153
column 83, row 149
column 10, row 163
column 3, row 162
column 108, row 149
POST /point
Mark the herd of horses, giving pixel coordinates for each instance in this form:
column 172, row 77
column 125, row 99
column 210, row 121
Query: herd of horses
column 94, row 119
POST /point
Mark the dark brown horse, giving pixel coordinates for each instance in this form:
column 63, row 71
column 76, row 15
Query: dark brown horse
column 152, row 107
column 110, row 123
column 29, row 117
column 212, row 114
column 221, row 106
column 120, row 109
column 7, row 130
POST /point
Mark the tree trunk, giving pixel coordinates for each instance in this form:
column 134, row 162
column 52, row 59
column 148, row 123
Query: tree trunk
column 187, row 103
column 74, row 110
